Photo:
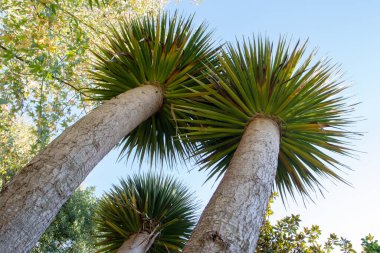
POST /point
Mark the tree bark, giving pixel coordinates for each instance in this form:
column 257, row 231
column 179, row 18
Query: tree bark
column 32, row 199
column 232, row 219
column 137, row 243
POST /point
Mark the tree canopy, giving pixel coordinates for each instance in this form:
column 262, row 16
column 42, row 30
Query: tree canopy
column 283, row 82
column 73, row 229
column 287, row 236
column 166, row 51
column 16, row 144
column 44, row 55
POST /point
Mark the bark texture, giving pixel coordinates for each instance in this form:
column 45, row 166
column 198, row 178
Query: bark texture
column 33, row 198
column 232, row 219
column 137, row 243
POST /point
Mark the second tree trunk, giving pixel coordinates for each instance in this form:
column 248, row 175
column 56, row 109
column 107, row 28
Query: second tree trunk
column 232, row 219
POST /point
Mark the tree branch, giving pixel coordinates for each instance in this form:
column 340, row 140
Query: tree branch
column 73, row 16
column 54, row 77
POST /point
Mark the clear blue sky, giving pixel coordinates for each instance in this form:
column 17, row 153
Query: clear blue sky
column 348, row 31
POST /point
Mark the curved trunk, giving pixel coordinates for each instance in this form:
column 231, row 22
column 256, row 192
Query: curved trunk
column 137, row 243
column 32, row 199
column 232, row 219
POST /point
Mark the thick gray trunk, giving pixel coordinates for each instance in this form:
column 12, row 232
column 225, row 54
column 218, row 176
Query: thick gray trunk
column 33, row 198
column 232, row 219
column 137, row 243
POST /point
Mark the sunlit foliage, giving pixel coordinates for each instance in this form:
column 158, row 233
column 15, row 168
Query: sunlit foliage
column 44, row 56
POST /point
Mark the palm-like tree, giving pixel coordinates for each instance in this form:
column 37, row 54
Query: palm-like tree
column 273, row 118
column 160, row 53
column 145, row 213
column 145, row 67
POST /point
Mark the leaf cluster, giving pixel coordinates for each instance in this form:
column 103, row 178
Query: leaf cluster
column 158, row 205
column 303, row 96
column 16, row 144
column 163, row 51
column 287, row 236
column 73, row 229
column 370, row 245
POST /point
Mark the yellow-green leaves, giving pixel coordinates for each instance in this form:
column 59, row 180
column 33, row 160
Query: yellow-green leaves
column 44, row 56
column 16, row 140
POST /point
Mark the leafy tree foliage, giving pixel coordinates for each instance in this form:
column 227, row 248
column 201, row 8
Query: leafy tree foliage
column 287, row 236
column 16, row 144
column 370, row 244
column 44, row 54
column 73, row 228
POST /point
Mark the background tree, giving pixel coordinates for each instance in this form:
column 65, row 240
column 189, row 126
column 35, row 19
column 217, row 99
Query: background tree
column 287, row 236
column 146, row 213
column 44, row 57
column 273, row 118
column 370, row 245
column 16, row 144
column 73, row 230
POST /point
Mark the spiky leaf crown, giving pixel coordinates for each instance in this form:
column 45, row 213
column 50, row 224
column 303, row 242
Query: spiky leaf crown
column 165, row 51
column 303, row 96
column 155, row 204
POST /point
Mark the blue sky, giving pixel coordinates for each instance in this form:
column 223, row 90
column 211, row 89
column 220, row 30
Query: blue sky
column 346, row 31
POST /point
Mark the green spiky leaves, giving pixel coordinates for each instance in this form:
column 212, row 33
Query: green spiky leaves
column 158, row 205
column 302, row 95
column 164, row 51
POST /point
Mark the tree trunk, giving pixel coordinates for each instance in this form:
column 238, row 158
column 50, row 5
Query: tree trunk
column 232, row 219
column 137, row 243
column 31, row 200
